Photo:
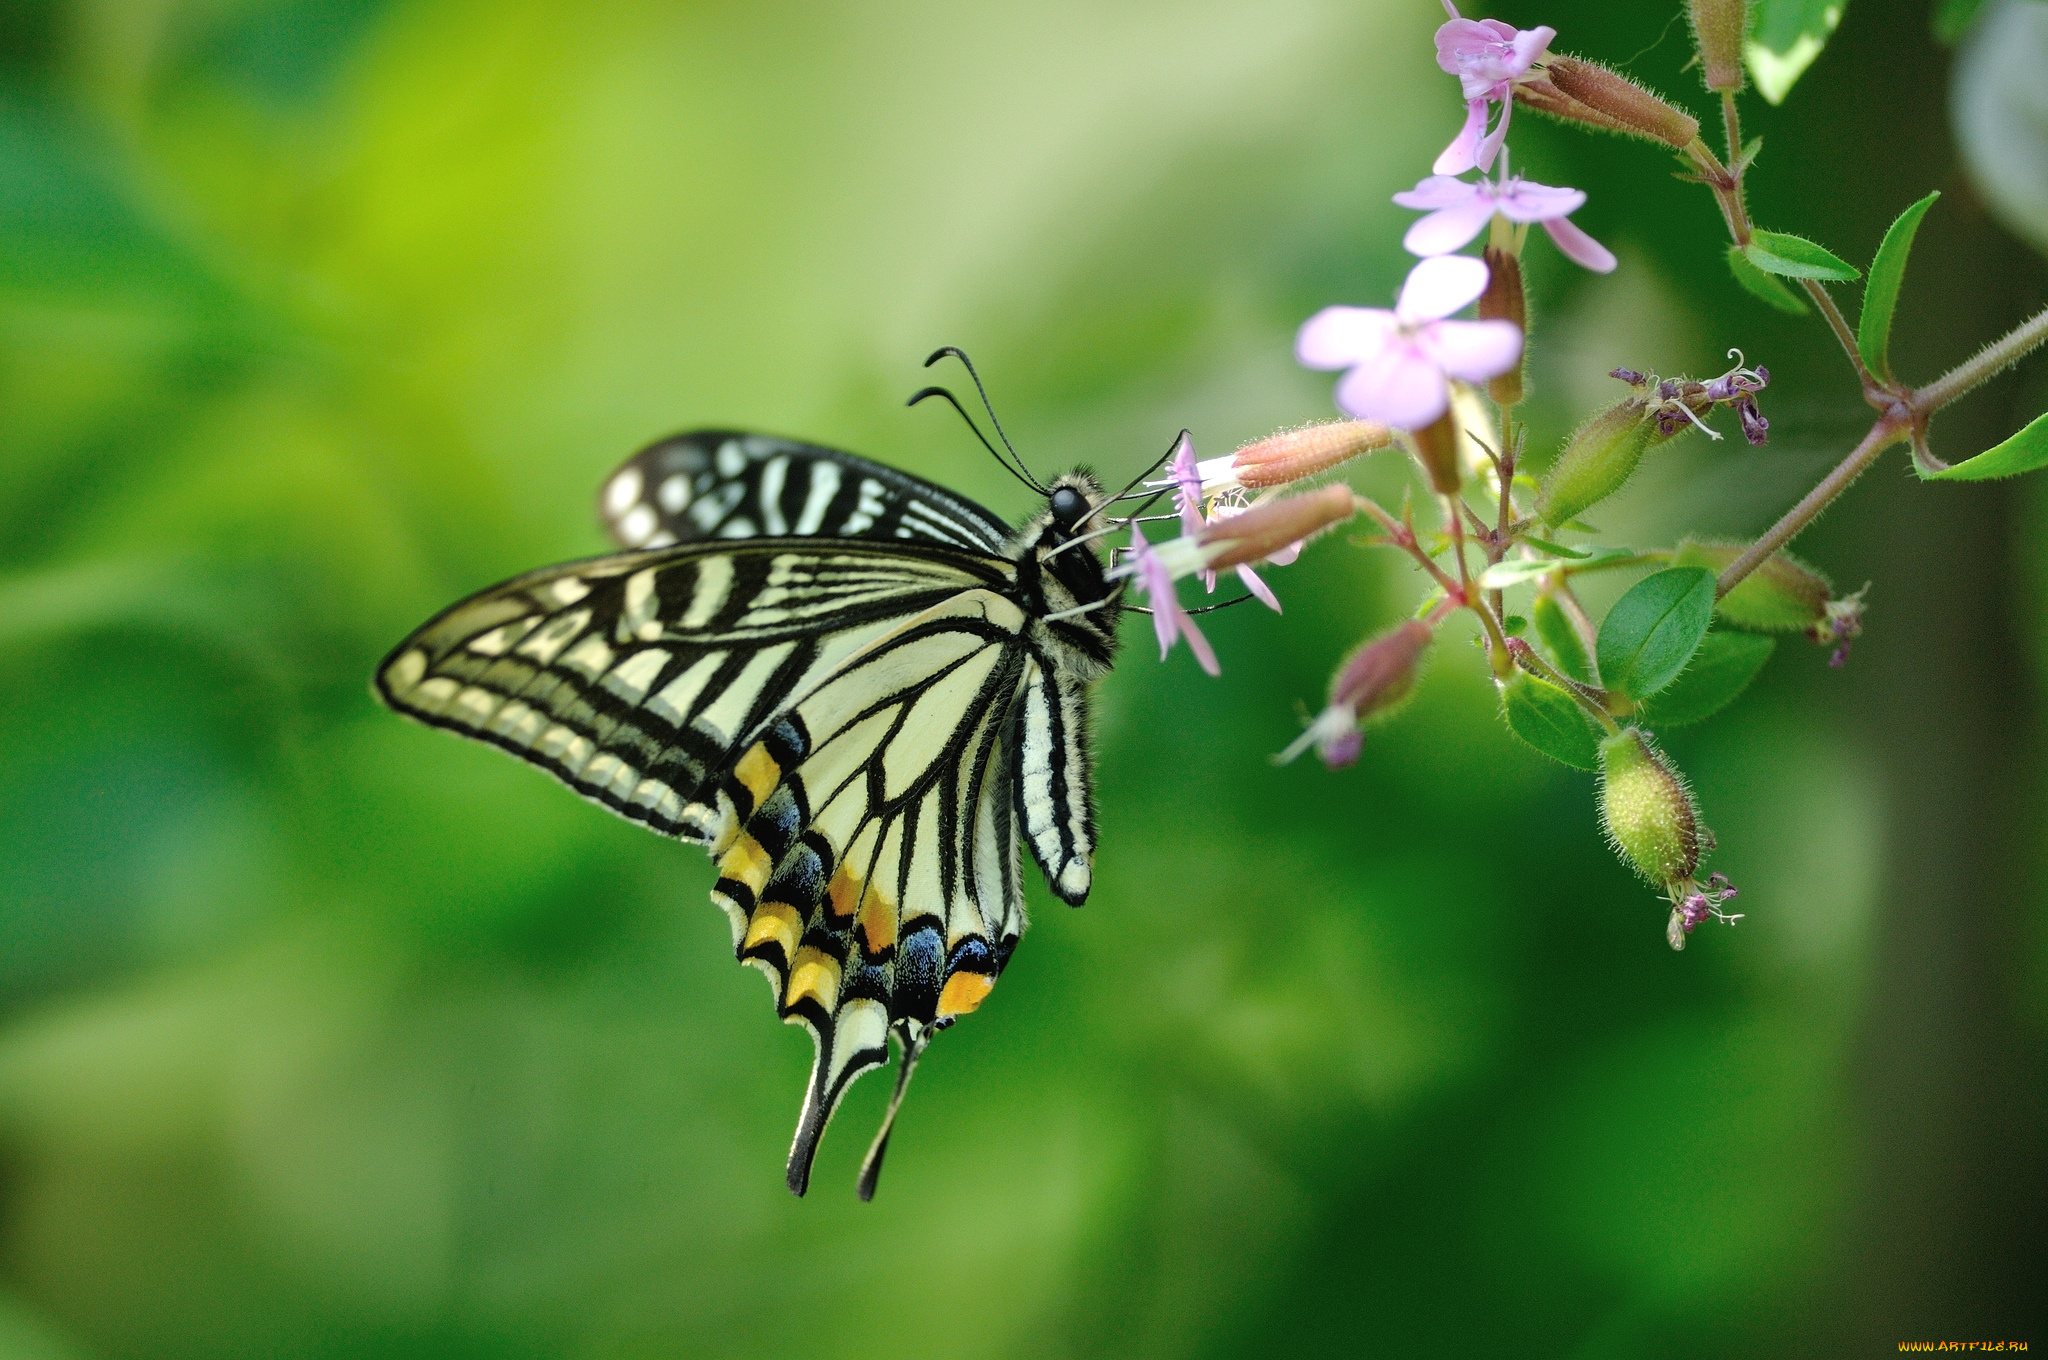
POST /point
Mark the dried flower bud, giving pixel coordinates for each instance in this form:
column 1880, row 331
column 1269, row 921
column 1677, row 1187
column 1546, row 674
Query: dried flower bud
column 1266, row 529
column 1842, row 626
column 1373, row 679
column 1294, row 454
column 1504, row 300
column 1597, row 460
column 1784, row 595
column 1647, row 811
column 1620, row 102
column 1718, row 28
column 1436, row 448
column 1692, row 906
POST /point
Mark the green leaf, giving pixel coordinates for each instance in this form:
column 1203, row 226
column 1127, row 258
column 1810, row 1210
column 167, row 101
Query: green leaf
column 1952, row 19
column 2024, row 452
column 1785, row 37
column 1554, row 549
column 1651, row 632
column 1516, row 571
column 1514, row 625
column 1795, row 257
column 1881, row 293
column 1554, row 630
column 1719, row 671
column 1550, row 720
column 1763, row 285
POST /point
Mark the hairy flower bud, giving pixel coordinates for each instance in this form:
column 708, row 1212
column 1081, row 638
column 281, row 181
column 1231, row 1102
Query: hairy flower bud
column 1373, row 679
column 1266, row 529
column 1504, row 300
column 1647, row 811
column 1436, row 448
column 1597, row 460
column 1718, row 28
column 1294, row 454
column 1615, row 101
column 1784, row 595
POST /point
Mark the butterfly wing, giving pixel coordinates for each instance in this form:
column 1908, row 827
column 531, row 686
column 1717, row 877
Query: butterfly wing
column 837, row 721
column 731, row 484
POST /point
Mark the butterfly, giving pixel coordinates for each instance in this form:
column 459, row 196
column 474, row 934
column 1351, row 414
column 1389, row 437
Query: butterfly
column 864, row 694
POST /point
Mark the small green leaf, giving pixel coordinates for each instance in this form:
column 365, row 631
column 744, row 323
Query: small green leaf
column 1795, row 257
column 1429, row 602
column 2024, row 452
column 1881, row 293
column 1550, row 720
column 1516, row 571
column 1748, row 157
column 1561, row 640
column 1554, row 549
column 1785, row 37
column 1651, row 632
column 1952, row 19
column 1763, row 285
column 1514, row 625
column 1719, row 671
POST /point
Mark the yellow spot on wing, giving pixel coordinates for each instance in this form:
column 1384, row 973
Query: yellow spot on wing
column 964, row 991
column 758, row 771
column 746, row 862
column 814, row 974
column 878, row 921
column 775, row 922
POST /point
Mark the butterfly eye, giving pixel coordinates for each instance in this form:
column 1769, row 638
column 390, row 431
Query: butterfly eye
column 1069, row 507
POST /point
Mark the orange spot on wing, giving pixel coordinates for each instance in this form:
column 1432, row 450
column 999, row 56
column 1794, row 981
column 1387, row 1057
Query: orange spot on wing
column 963, row 992
column 842, row 897
column 877, row 922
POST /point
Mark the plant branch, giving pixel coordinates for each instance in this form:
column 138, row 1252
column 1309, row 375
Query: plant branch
column 1873, row 390
column 1882, row 435
column 1403, row 537
column 1589, row 699
column 2006, row 350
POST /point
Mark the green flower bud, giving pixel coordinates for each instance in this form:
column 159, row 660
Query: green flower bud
column 1718, row 27
column 1784, row 595
column 1436, row 448
column 1647, row 811
column 1504, row 300
column 1597, row 460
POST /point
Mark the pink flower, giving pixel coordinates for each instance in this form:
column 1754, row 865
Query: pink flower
column 1400, row 360
column 1459, row 211
column 1187, row 499
column 1488, row 57
column 1169, row 620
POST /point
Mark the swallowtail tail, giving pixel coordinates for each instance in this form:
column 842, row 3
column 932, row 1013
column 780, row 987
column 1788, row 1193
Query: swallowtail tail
column 860, row 691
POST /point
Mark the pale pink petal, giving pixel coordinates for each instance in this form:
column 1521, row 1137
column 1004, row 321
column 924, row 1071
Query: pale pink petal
column 1579, row 247
column 1440, row 285
column 1338, row 337
column 1285, row 557
column 1259, row 589
column 1531, row 45
column 1472, row 350
column 1463, row 152
column 1490, row 147
column 1163, row 604
column 1447, row 229
column 1438, row 191
column 1400, row 387
column 1197, row 644
column 1187, row 480
column 1526, row 202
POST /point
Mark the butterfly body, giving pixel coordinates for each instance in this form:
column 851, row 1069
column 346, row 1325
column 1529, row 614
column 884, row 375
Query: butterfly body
column 863, row 694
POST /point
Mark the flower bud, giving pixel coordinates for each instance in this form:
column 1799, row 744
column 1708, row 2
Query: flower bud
column 1436, row 448
column 1718, row 28
column 1647, row 811
column 1784, row 595
column 1504, row 300
column 1619, row 102
column 1266, row 529
column 1294, row 454
column 1373, row 679
column 1597, row 460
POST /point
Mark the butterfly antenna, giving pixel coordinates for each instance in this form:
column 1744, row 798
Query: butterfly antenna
column 956, row 352
column 1129, row 486
column 871, row 1165
column 994, row 452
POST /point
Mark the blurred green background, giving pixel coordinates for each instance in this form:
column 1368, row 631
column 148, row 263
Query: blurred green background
column 323, row 1034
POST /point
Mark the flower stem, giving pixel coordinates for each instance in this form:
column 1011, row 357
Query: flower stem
column 1582, row 622
column 1526, row 657
column 1882, row 435
column 1403, row 538
column 2007, row 349
column 1873, row 391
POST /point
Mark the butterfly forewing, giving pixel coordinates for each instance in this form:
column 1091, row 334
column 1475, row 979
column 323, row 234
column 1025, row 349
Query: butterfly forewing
column 729, row 484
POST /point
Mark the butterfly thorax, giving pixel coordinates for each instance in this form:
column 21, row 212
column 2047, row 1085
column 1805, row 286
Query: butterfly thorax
column 1062, row 584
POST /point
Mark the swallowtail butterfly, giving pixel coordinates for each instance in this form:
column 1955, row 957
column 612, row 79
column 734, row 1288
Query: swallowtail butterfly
column 861, row 692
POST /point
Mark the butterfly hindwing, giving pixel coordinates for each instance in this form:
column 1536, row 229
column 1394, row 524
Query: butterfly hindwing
column 867, row 858
column 730, row 484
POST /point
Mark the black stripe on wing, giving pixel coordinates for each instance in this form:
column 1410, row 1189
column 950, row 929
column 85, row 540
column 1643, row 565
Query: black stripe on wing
column 732, row 484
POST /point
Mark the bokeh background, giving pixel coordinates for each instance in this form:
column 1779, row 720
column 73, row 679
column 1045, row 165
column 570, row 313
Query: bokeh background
column 322, row 1034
